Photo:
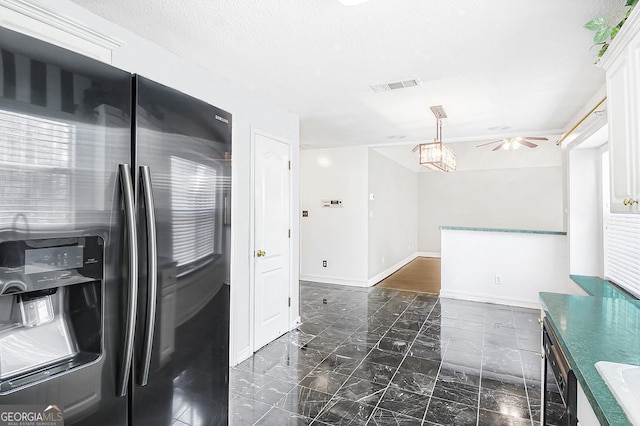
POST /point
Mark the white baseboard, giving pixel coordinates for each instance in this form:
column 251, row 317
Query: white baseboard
column 384, row 274
column 493, row 298
column 428, row 254
column 334, row 280
column 297, row 322
column 371, row 281
column 242, row 355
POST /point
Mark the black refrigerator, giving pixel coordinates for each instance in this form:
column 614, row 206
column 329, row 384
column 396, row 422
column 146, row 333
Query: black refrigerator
column 114, row 244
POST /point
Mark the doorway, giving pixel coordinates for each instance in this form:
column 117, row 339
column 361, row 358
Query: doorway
column 271, row 238
column 421, row 275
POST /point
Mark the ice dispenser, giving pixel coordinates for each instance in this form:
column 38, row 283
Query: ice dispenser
column 50, row 307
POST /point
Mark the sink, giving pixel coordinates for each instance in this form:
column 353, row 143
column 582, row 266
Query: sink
column 624, row 382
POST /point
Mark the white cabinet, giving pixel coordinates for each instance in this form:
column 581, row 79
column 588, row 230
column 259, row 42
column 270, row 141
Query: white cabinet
column 622, row 65
column 622, row 138
column 586, row 415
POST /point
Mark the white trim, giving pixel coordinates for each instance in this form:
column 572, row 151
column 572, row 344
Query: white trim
column 334, row 280
column 428, row 254
column 30, row 18
column 390, row 270
column 233, row 303
column 496, row 299
column 371, row 281
column 242, row 356
column 252, row 243
column 582, row 134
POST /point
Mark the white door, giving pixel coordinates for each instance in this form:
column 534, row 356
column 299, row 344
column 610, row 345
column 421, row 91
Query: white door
column 271, row 239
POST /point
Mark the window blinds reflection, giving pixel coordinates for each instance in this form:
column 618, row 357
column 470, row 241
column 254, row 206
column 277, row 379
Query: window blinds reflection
column 193, row 196
column 35, row 159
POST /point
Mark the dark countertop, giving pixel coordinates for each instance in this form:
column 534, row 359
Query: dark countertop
column 602, row 327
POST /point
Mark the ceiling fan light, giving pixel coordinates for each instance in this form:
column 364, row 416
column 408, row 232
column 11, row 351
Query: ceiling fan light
column 506, row 145
column 516, row 145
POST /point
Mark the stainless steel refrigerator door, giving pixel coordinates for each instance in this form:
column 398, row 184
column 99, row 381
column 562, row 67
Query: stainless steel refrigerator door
column 185, row 143
column 64, row 128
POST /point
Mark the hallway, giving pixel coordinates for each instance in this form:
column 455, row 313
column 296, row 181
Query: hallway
column 385, row 357
column 422, row 274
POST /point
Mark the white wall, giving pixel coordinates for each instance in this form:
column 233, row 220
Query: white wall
column 140, row 56
column 585, row 212
column 505, row 189
column 337, row 235
column 393, row 216
column 527, row 264
column 520, row 189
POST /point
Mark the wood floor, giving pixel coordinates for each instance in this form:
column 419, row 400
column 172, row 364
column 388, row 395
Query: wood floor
column 421, row 274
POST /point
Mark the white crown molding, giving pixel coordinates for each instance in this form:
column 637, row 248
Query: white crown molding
column 30, row 18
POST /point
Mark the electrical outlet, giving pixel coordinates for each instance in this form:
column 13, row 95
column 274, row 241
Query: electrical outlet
column 498, row 279
column 324, row 263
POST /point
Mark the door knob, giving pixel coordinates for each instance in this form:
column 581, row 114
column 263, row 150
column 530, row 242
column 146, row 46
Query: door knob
column 261, row 253
column 629, row 201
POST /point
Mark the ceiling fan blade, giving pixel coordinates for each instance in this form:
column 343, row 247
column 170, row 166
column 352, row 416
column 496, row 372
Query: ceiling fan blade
column 527, row 143
column 415, row 148
column 533, row 138
column 498, row 147
column 488, row 143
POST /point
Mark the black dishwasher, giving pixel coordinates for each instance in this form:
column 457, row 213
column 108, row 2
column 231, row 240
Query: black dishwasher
column 560, row 386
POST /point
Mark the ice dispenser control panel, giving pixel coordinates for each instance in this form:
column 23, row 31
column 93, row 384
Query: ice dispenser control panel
column 52, row 259
column 31, row 265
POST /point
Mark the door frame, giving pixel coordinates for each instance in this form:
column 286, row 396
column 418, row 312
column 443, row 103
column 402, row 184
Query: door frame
column 252, row 247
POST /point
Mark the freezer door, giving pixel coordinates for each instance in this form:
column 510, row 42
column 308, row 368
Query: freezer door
column 185, row 143
column 64, row 128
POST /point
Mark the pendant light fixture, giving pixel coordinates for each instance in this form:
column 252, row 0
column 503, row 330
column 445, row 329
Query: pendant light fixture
column 435, row 155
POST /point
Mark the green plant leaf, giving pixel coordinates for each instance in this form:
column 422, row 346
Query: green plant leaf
column 614, row 32
column 602, row 35
column 602, row 50
column 596, row 23
column 604, row 32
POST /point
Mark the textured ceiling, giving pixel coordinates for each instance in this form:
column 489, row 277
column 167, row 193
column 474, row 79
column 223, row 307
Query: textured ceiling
column 525, row 64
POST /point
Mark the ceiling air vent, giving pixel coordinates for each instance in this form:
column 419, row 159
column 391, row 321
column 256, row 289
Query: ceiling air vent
column 393, row 86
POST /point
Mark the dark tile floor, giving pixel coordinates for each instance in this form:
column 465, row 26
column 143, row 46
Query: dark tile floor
column 385, row 357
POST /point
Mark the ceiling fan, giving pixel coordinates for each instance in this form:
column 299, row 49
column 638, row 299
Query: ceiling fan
column 515, row 142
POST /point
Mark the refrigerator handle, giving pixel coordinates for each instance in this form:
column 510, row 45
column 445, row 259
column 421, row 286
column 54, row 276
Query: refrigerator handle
column 126, row 182
column 152, row 272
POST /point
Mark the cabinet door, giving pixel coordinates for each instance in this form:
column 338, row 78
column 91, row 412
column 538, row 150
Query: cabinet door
column 586, row 415
column 621, row 110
